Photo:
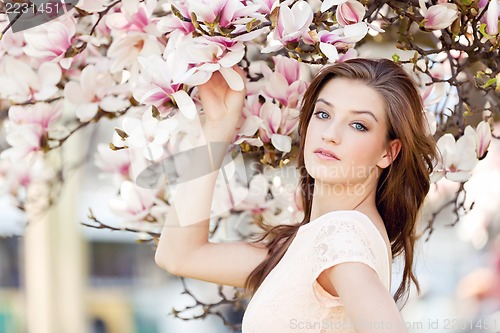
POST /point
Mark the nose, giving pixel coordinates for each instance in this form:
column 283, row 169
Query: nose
column 332, row 133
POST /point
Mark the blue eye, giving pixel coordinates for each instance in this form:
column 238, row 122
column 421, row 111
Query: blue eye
column 317, row 112
column 359, row 127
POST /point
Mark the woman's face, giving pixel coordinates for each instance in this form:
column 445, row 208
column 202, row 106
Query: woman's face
column 348, row 120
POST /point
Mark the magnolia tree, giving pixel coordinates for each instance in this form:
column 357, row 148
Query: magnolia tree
column 140, row 62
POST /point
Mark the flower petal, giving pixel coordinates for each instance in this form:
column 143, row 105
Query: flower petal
column 492, row 18
column 282, row 142
column 232, row 78
column 86, row 111
column 458, row 176
column 185, row 104
column 232, row 58
column 330, row 51
column 250, row 126
column 271, row 114
column 327, row 4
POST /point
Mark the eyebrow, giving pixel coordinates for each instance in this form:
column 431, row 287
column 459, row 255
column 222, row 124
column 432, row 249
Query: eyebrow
column 352, row 111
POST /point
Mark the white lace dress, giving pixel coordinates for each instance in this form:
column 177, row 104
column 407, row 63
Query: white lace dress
column 291, row 300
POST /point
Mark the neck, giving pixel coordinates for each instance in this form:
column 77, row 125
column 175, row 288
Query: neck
column 330, row 197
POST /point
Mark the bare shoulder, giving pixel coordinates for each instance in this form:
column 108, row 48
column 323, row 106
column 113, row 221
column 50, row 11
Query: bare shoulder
column 378, row 222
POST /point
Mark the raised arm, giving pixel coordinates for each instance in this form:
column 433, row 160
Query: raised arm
column 366, row 300
column 186, row 250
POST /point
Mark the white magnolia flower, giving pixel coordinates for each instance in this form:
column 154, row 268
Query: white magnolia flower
column 149, row 133
column 20, row 83
column 134, row 203
column 94, row 91
column 439, row 16
column 482, row 134
column 157, row 88
column 458, row 157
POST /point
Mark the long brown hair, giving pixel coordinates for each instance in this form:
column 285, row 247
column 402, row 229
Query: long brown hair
column 402, row 186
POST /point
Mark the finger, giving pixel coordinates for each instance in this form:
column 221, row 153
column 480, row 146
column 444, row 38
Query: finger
column 215, row 80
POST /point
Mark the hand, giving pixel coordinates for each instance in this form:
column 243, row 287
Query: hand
column 222, row 105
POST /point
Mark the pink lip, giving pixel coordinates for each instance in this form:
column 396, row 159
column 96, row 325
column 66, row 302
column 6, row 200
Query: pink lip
column 319, row 152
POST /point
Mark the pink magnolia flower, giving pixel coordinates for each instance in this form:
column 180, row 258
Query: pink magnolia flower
column 288, row 68
column 125, row 50
column 349, row 34
column 433, row 94
column 223, row 12
column 24, row 142
column 15, row 178
column 171, row 22
column 28, row 123
column 251, row 123
column 206, row 55
column 135, row 16
column 284, row 83
column 20, row 83
column 293, row 22
column 113, row 161
column 148, row 133
column 135, row 34
column 492, row 18
column 482, row 134
column 232, row 14
column 41, row 114
column 12, row 44
column 156, row 86
column 50, row 41
column 350, row 12
column 271, row 130
column 94, row 91
column 458, row 157
column 122, row 164
column 330, row 42
column 349, row 54
column 134, row 203
column 439, row 16
column 266, row 6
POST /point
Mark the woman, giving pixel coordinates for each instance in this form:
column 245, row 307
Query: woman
column 364, row 171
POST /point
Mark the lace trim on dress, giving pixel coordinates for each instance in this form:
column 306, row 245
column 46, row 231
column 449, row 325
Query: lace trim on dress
column 348, row 214
column 345, row 240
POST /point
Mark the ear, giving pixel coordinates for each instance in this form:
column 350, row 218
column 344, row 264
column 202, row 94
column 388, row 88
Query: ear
column 390, row 154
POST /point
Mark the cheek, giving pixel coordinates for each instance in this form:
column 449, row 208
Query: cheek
column 308, row 138
column 368, row 150
column 308, row 146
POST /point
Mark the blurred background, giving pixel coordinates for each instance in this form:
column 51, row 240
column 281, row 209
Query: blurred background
column 70, row 276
